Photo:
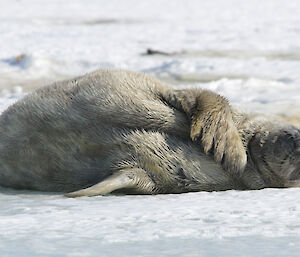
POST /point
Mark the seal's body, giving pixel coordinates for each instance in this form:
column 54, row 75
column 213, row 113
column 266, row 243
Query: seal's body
column 123, row 131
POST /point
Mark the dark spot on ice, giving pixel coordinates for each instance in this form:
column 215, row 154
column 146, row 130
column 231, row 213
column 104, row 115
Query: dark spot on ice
column 285, row 80
column 21, row 60
column 110, row 21
column 156, row 52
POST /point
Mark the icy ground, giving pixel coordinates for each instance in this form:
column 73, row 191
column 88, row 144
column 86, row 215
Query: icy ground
column 248, row 51
column 232, row 223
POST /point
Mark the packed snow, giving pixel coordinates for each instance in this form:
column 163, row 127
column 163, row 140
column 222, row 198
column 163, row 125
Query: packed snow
column 249, row 51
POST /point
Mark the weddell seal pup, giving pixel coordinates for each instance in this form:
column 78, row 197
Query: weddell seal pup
column 120, row 131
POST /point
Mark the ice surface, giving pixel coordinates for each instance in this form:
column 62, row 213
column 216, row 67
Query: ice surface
column 248, row 51
column 232, row 223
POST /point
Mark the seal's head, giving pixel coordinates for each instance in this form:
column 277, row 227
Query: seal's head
column 276, row 156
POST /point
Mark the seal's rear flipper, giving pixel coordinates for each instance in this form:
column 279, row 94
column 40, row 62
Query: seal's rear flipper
column 134, row 178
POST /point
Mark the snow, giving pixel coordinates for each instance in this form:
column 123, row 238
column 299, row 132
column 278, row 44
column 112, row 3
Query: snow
column 248, row 51
column 232, row 223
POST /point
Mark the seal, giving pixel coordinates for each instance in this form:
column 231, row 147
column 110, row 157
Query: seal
column 120, row 131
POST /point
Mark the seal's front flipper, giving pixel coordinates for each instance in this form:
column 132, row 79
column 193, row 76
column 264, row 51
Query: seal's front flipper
column 211, row 124
column 135, row 179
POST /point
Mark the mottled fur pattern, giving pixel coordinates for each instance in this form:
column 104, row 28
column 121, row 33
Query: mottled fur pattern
column 124, row 131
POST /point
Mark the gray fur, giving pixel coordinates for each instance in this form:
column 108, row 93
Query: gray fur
column 117, row 130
